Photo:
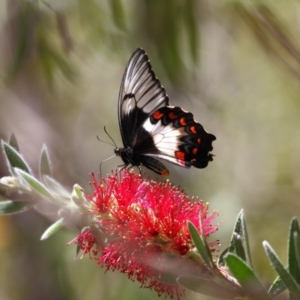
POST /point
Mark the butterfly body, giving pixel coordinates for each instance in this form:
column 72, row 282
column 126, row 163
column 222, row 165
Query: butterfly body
column 152, row 129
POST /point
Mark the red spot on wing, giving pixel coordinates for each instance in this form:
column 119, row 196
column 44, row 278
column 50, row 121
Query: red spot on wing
column 182, row 121
column 193, row 129
column 195, row 151
column 157, row 115
column 198, row 140
column 172, row 116
column 180, row 155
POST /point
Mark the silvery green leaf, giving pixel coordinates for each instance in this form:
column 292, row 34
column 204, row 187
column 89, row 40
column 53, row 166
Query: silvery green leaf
column 45, row 163
column 13, row 142
column 246, row 276
column 285, row 276
column 200, row 245
column 14, row 159
column 52, row 229
column 56, row 187
column 12, row 207
column 36, row 185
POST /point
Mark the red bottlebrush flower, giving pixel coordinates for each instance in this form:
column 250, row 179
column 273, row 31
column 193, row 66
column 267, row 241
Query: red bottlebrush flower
column 139, row 227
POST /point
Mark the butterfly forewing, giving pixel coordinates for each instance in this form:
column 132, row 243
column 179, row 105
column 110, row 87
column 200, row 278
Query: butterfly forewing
column 140, row 94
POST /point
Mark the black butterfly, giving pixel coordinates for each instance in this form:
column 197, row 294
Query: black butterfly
column 151, row 129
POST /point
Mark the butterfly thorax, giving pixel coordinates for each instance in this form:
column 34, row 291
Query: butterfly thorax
column 127, row 156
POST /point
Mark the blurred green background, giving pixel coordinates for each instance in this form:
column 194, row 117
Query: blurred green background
column 235, row 64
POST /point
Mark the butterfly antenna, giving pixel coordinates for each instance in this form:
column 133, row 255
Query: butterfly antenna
column 104, row 141
column 114, row 144
column 110, row 137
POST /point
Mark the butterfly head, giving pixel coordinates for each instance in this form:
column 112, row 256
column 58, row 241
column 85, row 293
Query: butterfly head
column 126, row 155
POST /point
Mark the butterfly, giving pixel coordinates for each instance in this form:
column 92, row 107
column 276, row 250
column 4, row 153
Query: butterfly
column 152, row 129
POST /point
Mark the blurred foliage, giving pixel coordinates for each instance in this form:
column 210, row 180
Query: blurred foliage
column 233, row 63
column 271, row 34
column 32, row 42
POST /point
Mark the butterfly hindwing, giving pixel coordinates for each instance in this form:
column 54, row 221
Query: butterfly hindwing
column 172, row 134
column 152, row 129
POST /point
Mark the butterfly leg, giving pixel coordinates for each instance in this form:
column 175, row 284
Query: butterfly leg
column 129, row 166
column 103, row 162
column 121, row 168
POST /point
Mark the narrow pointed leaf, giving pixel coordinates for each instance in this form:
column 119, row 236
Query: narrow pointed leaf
column 52, row 229
column 56, row 187
column 240, row 239
column 12, row 207
column 238, row 246
column 200, row 245
column 14, row 159
column 246, row 277
column 204, row 240
column 45, row 163
column 246, row 240
column 293, row 260
column 297, row 251
column 206, row 287
column 13, row 142
column 236, row 230
column 286, row 278
column 276, row 288
column 221, row 260
column 34, row 183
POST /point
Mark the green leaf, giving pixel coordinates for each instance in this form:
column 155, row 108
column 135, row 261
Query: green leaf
column 34, row 183
column 56, row 187
column 276, row 288
column 12, row 207
column 238, row 246
column 206, row 287
column 286, row 278
column 200, row 245
column 293, row 254
column 52, row 229
column 246, row 277
column 297, row 252
column 45, row 163
column 221, row 260
column 13, row 142
column 239, row 243
column 14, row 159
